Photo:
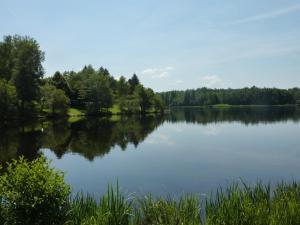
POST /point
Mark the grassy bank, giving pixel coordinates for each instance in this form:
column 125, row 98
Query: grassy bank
column 35, row 193
column 114, row 110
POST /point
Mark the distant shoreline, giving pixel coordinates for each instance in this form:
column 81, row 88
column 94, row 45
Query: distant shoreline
column 222, row 106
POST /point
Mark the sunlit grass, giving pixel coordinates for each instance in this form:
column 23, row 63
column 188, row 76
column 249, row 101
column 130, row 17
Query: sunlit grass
column 115, row 109
column 112, row 208
column 235, row 205
column 75, row 112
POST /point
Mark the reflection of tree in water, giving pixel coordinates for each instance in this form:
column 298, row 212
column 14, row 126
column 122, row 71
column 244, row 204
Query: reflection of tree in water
column 57, row 136
column 89, row 137
column 19, row 139
column 245, row 115
column 94, row 137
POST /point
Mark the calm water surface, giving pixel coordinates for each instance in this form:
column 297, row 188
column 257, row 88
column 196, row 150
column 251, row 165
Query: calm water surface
column 188, row 150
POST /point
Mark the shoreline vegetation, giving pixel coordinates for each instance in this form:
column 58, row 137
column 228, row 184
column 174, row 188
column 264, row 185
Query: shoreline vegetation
column 224, row 106
column 252, row 96
column 26, row 92
column 35, row 193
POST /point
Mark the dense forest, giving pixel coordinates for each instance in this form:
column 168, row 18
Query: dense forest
column 244, row 96
column 25, row 92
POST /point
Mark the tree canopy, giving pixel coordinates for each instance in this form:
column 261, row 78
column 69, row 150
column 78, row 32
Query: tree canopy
column 23, row 88
column 243, row 96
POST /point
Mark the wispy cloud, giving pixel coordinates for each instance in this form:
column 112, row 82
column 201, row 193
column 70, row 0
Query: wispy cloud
column 212, row 131
column 268, row 15
column 160, row 139
column 212, row 81
column 158, row 73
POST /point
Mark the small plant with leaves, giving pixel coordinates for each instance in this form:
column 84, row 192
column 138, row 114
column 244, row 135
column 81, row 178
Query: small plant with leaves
column 33, row 193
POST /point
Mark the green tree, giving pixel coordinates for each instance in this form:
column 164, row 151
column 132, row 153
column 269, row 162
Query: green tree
column 145, row 96
column 46, row 91
column 158, row 104
column 61, row 83
column 133, row 82
column 27, row 69
column 8, row 99
column 123, row 87
column 6, row 58
column 54, row 100
column 60, row 102
column 98, row 94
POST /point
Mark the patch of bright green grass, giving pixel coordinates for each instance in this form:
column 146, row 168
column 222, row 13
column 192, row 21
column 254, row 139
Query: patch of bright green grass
column 222, row 106
column 75, row 112
column 115, row 109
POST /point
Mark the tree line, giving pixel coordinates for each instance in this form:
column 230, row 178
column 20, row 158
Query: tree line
column 25, row 91
column 243, row 96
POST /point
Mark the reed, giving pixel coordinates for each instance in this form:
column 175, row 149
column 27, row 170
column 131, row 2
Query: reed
column 112, row 208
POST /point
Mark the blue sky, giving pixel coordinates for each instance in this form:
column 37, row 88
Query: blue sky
column 170, row 44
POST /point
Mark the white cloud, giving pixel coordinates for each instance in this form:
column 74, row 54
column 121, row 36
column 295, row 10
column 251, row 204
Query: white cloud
column 178, row 81
column 212, row 131
column 160, row 139
column 268, row 15
column 212, row 81
column 158, row 73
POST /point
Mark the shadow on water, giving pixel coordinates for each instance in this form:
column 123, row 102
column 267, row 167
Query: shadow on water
column 95, row 137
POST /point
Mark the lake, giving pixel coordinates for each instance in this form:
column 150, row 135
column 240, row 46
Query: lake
column 187, row 150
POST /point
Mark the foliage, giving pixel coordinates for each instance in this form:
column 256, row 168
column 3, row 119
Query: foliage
column 146, row 97
column 54, row 100
column 8, row 99
column 21, row 67
column 60, row 102
column 33, row 193
column 59, row 81
column 91, row 90
column 21, row 62
column 133, row 82
column 244, row 96
column 97, row 91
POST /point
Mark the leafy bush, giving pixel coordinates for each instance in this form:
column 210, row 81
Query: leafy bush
column 33, row 193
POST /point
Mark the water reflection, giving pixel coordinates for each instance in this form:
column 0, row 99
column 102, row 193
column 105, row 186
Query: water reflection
column 245, row 115
column 96, row 137
column 90, row 137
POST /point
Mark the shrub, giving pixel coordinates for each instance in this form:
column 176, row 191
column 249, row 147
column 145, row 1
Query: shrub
column 33, row 193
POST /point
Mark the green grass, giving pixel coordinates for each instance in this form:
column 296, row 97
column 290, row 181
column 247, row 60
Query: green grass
column 112, row 208
column 115, row 109
column 221, row 106
column 235, row 205
column 75, row 112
